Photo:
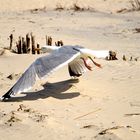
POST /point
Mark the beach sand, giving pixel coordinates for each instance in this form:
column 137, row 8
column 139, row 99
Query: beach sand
column 103, row 104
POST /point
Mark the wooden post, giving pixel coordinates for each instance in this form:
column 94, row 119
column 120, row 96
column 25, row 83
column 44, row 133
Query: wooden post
column 49, row 42
column 28, row 43
column 19, row 45
column 11, row 41
column 59, row 43
column 38, row 49
column 33, row 43
column 131, row 58
column 46, row 40
column 24, row 48
column 124, row 58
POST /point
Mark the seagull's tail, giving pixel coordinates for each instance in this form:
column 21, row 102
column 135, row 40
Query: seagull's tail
column 7, row 95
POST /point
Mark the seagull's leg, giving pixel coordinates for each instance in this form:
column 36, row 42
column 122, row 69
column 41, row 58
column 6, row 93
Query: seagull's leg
column 95, row 63
column 85, row 62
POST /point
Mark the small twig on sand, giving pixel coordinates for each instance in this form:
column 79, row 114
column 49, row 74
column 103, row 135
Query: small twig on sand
column 87, row 114
column 132, row 114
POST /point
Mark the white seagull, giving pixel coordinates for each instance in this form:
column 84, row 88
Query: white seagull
column 78, row 59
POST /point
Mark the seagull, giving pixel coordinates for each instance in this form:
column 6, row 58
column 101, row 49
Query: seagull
column 77, row 58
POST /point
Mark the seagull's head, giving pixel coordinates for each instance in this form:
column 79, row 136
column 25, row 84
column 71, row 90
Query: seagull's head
column 47, row 48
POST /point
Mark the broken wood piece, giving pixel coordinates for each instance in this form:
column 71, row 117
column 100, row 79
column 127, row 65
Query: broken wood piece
column 10, row 76
column 112, row 55
column 108, row 129
column 124, row 58
column 131, row 58
column 87, row 114
column 132, row 114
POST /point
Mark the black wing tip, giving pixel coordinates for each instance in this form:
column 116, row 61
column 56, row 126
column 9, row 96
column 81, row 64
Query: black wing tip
column 6, row 96
column 71, row 73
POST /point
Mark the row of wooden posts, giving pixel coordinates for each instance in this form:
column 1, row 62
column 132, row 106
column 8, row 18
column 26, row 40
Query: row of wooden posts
column 27, row 44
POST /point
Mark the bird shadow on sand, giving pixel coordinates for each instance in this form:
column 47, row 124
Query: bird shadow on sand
column 55, row 90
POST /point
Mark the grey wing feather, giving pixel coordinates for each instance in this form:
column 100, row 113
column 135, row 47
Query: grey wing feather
column 47, row 64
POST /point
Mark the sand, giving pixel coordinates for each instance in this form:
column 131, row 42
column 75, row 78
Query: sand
column 103, row 104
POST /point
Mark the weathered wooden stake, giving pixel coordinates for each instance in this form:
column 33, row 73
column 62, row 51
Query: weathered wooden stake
column 124, row 58
column 19, row 46
column 131, row 58
column 59, row 43
column 38, row 49
column 24, row 48
column 28, row 43
column 33, row 43
column 11, row 41
column 49, row 42
column 46, row 40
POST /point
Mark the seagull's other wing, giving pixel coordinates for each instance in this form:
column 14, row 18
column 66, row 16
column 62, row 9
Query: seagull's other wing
column 80, row 66
column 96, row 53
column 77, row 67
column 42, row 67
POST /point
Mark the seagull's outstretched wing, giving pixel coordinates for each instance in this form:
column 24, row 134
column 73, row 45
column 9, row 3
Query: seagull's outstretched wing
column 42, row 67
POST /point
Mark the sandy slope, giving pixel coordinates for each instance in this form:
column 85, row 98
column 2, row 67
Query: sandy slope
column 104, row 104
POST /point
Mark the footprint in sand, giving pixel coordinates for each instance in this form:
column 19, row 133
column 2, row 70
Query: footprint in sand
column 9, row 118
column 17, row 116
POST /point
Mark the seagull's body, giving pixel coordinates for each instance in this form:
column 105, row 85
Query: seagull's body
column 76, row 57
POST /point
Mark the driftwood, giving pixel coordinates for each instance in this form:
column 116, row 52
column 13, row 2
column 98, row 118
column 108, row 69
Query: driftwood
column 105, row 131
column 132, row 114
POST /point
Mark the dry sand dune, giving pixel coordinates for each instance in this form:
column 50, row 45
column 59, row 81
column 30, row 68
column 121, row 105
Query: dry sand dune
column 103, row 104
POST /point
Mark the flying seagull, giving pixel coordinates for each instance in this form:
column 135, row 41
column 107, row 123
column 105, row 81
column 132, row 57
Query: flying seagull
column 78, row 59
